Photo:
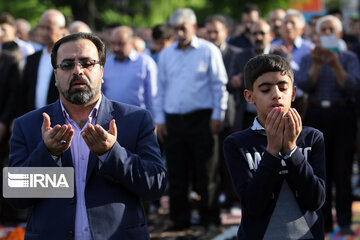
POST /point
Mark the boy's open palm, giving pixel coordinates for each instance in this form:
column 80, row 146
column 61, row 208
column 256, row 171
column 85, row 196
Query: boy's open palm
column 292, row 130
column 274, row 127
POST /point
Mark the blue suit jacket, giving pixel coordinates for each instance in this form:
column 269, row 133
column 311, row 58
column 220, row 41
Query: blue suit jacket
column 113, row 192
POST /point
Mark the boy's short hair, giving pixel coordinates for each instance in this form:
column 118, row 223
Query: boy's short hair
column 261, row 64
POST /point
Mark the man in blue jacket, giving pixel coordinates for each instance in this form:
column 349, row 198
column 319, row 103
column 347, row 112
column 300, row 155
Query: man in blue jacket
column 112, row 147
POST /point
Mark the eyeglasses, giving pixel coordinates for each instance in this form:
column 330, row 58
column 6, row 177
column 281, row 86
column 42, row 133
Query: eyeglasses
column 260, row 32
column 85, row 63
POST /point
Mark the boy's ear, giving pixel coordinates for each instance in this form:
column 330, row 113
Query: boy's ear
column 248, row 95
column 293, row 94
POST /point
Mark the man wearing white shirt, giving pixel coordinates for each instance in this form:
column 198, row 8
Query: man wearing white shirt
column 38, row 80
column 189, row 108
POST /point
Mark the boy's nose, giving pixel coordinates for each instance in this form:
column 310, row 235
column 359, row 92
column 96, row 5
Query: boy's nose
column 276, row 93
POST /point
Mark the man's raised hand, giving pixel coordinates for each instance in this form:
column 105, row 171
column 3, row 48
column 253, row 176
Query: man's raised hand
column 57, row 139
column 98, row 139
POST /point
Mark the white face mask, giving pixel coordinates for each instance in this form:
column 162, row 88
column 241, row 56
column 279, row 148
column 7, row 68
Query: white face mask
column 330, row 42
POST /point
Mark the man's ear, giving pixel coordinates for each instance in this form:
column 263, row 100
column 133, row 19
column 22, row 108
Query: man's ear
column 248, row 95
column 293, row 94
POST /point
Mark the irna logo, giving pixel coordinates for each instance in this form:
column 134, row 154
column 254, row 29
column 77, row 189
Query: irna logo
column 38, row 182
column 17, row 180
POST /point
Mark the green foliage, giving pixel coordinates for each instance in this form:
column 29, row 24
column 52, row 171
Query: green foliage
column 30, row 10
column 110, row 16
column 333, row 4
column 135, row 12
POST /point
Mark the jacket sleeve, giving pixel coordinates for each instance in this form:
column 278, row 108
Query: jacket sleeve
column 142, row 172
column 307, row 176
column 255, row 188
column 22, row 156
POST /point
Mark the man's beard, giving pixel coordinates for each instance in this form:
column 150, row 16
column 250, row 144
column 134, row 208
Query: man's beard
column 120, row 56
column 78, row 96
column 259, row 47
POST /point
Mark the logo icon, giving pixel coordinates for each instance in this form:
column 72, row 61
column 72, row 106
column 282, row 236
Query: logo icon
column 18, row 180
column 38, row 182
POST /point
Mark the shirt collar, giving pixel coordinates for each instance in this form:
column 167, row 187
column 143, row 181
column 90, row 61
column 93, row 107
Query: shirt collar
column 223, row 47
column 257, row 127
column 194, row 42
column 298, row 41
column 133, row 55
column 45, row 52
column 93, row 114
column 267, row 49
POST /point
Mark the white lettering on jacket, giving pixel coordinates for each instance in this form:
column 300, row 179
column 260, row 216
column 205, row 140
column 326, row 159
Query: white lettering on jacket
column 254, row 164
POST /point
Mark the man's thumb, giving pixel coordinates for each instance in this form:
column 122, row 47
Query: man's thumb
column 46, row 122
column 113, row 128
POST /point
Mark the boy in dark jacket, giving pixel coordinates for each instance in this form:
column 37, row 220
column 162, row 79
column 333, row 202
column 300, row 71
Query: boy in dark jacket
column 277, row 166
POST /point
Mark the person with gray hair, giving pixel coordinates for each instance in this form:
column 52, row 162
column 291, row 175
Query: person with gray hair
column 189, row 108
column 79, row 26
column 331, row 77
column 23, row 28
column 38, row 80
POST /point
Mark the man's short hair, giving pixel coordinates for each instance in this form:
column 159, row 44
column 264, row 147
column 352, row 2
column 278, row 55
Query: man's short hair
column 332, row 18
column 219, row 18
column 78, row 36
column 7, row 18
column 249, row 7
column 162, row 31
column 125, row 29
column 262, row 64
column 294, row 12
column 182, row 15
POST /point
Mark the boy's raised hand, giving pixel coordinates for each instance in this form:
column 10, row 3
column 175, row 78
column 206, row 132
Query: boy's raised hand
column 274, row 127
column 292, row 130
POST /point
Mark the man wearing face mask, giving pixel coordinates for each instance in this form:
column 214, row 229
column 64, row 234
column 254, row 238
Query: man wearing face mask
column 331, row 77
column 129, row 77
column 189, row 108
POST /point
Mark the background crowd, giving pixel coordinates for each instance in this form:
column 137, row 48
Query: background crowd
column 189, row 75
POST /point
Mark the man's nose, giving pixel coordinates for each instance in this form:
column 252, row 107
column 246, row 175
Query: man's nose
column 78, row 69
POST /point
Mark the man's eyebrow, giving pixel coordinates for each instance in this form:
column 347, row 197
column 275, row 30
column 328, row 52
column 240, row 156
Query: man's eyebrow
column 73, row 59
column 271, row 84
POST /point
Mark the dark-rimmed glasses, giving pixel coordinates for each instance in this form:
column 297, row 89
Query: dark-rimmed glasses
column 84, row 63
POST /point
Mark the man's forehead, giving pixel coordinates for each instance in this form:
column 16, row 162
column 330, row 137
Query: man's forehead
column 292, row 18
column 327, row 23
column 82, row 48
column 184, row 23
